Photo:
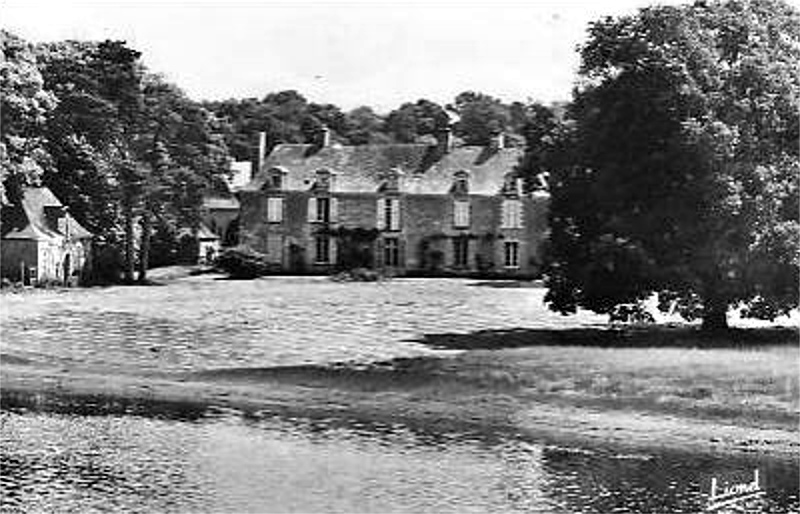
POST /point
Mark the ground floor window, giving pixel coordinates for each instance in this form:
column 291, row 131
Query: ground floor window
column 391, row 251
column 511, row 254
column 323, row 250
column 461, row 252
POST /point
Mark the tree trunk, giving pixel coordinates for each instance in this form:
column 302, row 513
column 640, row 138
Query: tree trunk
column 129, row 235
column 715, row 315
column 144, row 250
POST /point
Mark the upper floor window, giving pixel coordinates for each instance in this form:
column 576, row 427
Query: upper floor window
column 322, row 209
column 461, row 214
column 275, row 210
column 512, row 214
column 388, row 214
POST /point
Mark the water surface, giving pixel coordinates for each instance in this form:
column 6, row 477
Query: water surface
column 225, row 463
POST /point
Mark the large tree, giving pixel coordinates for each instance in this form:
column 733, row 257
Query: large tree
column 480, row 116
column 412, row 120
column 24, row 107
column 181, row 155
column 684, row 173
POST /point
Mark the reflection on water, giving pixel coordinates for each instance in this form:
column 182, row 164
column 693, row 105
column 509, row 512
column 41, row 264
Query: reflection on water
column 53, row 462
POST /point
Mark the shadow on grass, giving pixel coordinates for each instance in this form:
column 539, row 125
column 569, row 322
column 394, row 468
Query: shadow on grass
column 509, row 284
column 394, row 374
column 649, row 337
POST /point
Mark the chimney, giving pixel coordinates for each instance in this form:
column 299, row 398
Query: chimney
column 324, row 137
column 262, row 150
column 445, row 140
column 498, row 141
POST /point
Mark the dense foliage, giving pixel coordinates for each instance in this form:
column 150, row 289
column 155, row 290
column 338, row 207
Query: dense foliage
column 682, row 169
column 124, row 149
column 242, row 262
column 287, row 117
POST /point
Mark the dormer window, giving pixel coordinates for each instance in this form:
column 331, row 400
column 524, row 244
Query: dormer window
column 460, row 183
column 277, row 178
column 324, row 180
column 391, row 183
column 512, row 186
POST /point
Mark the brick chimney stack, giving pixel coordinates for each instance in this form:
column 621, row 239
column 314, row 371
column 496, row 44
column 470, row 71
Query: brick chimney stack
column 498, row 141
column 445, row 140
column 324, row 137
column 262, row 150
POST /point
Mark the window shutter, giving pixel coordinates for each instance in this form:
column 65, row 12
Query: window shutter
column 461, row 214
column 401, row 253
column 395, row 206
column 275, row 210
column 334, row 210
column 312, row 210
column 333, row 251
column 381, row 218
column 505, row 221
column 518, row 208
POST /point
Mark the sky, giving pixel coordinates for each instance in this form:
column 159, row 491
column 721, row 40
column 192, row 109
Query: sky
column 346, row 52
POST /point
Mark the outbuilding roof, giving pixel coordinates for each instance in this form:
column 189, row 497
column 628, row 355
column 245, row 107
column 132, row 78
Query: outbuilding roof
column 28, row 220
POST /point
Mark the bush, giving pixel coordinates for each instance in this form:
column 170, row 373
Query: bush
column 242, row 262
column 358, row 275
column 630, row 313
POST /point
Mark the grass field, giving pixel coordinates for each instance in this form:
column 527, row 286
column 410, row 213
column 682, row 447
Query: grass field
column 429, row 352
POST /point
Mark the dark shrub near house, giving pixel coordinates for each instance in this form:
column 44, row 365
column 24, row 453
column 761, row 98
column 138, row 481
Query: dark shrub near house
column 243, row 263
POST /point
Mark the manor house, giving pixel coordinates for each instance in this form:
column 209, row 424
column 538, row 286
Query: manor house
column 403, row 208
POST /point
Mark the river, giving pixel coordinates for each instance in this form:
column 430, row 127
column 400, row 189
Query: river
column 224, row 462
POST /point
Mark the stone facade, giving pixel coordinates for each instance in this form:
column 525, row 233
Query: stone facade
column 402, row 208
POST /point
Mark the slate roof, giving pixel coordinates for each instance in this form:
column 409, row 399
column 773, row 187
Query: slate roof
column 29, row 220
column 426, row 169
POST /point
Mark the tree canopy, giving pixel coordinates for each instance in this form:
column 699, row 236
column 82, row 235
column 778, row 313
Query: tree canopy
column 683, row 171
column 25, row 105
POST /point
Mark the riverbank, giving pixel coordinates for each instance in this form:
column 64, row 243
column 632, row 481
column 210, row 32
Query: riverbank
column 559, row 394
column 437, row 355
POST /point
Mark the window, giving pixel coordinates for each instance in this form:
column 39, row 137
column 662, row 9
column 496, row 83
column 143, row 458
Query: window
column 461, row 213
column 323, row 250
column 274, row 210
column 391, row 251
column 461, row 252
column 512, row 254
column 460, row 183
column 512, row 214
column 324, row 180
column 389, row 214
column 277, row 178
column 321, row 209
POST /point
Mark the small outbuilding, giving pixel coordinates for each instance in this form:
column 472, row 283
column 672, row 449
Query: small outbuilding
column 41, row 242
